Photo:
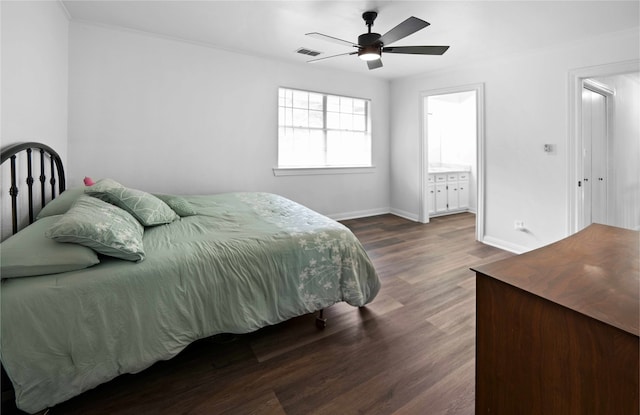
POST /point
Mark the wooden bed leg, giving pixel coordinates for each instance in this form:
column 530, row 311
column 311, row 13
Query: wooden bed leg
column 321, row 322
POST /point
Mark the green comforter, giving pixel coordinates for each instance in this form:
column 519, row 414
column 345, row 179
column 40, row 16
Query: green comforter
column 247, row 260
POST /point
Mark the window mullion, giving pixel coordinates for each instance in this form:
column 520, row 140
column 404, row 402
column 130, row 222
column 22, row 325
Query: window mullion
column 324, row 126
column 366, row 117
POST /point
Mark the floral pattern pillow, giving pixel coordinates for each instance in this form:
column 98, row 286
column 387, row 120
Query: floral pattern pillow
column 145, row 207
column 179, row 204
column 101, row 226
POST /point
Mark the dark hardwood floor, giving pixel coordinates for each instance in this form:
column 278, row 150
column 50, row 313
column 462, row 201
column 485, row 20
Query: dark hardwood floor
column 411, row 351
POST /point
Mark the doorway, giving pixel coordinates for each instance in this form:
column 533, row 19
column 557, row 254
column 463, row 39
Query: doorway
column 612, row 194
column 596, row 104
column 452, row 126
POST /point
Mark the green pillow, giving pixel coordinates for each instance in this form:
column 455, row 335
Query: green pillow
column 145, row 207
column 29, row 253
column 179, row 204
column 61, row 203
column 101, row 226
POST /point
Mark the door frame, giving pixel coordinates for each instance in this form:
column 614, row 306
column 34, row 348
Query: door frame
column 574, row 145
column 480, row 150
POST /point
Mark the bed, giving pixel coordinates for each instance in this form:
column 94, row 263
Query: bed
column 224, row 263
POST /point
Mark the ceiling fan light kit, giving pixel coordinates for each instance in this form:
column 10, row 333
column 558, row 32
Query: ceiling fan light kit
column 370, row 52
column 371, row 45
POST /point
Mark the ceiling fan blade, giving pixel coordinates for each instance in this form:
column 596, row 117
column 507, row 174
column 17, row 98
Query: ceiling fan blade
column 332, row 56
column 374, row 64
column 404, row 29
column 331, row 39
column 416, row 50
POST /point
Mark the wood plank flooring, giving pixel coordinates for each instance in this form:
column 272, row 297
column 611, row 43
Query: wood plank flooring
column 411, row 351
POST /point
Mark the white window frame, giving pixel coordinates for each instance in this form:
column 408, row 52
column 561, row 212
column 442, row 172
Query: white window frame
column 326, row 169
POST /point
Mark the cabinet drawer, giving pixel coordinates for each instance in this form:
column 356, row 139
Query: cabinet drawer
column 430, row 179
column 441, row 178
column 452, row 177
column 463, row 176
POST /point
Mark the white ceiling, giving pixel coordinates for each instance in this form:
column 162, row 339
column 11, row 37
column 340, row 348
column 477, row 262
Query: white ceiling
column 475, row 30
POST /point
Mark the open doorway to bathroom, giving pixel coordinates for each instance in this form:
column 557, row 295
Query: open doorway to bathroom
column 452, row 145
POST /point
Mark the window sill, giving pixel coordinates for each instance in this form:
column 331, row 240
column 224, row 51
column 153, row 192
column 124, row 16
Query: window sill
column 308, row 171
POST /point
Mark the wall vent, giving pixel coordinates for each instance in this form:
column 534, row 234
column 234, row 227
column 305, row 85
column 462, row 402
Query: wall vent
column 305, row 51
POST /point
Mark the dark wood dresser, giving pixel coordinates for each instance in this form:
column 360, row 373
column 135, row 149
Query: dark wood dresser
column 557, row 328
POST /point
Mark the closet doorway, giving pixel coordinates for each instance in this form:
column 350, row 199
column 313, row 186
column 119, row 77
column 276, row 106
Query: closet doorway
column 603, row 151
column 596, row 105
column 452, row 145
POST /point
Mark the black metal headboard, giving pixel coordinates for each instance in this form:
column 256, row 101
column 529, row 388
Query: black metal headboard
column 47, row 156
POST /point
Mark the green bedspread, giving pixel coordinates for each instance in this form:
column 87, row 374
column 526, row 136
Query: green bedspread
column 247, row 260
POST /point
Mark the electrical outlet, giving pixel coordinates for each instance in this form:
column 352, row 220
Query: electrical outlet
column 518, row 225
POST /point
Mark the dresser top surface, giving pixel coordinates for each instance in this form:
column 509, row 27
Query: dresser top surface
column 595, row 272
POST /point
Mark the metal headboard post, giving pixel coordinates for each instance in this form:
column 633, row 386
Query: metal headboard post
column 13, row 191
column 30, row 184
column 52, row 180
column 43, row 178
column 56, row 168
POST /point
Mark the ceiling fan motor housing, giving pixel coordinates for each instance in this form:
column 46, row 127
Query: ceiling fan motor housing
column 367, row 39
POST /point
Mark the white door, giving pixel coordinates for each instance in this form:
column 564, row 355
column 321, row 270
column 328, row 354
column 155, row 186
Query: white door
column 594, row 157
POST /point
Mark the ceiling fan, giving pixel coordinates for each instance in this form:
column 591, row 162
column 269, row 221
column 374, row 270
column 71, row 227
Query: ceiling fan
column 371, row 45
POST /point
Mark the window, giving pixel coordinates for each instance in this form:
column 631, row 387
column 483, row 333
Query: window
column 321, row 130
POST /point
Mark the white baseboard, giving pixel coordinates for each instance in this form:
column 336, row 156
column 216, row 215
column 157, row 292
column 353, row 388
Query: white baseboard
column 359, row 214
column 451, row 212
column 504, row 245
column 404, row 214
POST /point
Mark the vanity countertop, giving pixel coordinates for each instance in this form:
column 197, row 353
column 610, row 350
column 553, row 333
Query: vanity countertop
column 440, row 170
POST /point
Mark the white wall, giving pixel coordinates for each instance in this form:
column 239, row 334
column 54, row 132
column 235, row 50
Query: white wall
column 169, row 116
column 34, row 73
column 526, row 106
column 33, row 81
